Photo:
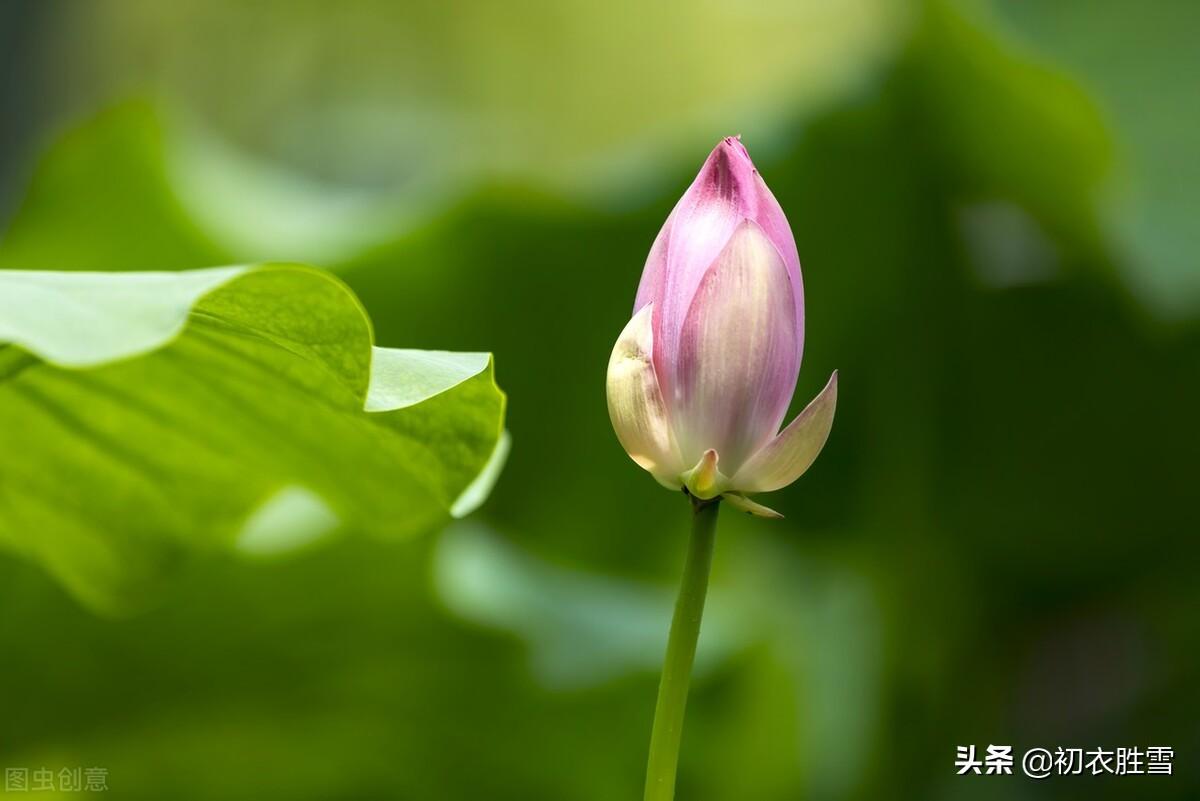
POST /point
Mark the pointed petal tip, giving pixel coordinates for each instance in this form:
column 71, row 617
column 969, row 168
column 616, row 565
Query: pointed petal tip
column 733, row 152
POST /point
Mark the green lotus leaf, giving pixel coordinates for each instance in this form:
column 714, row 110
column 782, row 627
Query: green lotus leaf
column 147, row 419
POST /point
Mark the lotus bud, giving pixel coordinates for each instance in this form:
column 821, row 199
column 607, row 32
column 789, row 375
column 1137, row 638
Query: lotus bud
column 702, row 375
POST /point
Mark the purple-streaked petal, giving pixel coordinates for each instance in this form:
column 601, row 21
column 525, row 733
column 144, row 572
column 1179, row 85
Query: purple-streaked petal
column 733, row 374
column 635, row 403
column 650, row 287
column 727, row 191
column 785, row 458
column 771, row 219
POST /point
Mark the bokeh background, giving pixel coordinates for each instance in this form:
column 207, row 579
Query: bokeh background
column 996, row 207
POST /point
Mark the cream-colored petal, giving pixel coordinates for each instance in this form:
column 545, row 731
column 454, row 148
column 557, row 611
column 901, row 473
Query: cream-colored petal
column 785, row 458
column 635, row 402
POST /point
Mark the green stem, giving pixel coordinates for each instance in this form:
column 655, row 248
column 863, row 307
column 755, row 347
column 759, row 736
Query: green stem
column 681, row 651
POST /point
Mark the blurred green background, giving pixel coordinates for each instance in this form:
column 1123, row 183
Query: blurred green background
column 995, row 206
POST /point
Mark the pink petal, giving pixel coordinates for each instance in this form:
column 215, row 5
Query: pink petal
column 732, row 376
column 727, row 191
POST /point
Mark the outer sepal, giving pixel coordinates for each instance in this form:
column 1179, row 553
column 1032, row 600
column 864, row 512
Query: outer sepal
column 744, row 504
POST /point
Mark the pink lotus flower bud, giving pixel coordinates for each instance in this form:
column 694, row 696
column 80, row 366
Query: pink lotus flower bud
column 702, row 375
